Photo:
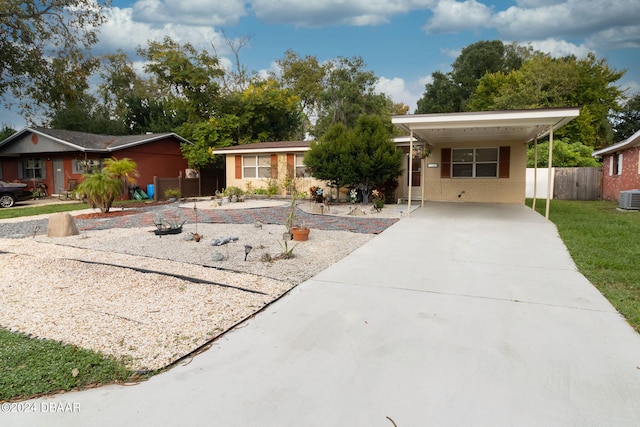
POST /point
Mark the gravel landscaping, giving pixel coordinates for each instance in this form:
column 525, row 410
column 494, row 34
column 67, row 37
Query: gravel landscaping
column 149, row 300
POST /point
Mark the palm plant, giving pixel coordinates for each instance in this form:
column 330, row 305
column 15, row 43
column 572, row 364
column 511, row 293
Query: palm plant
column 102, row 188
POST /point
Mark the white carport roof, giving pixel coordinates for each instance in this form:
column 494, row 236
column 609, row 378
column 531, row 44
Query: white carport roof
column 517, row 125
column 513, row 126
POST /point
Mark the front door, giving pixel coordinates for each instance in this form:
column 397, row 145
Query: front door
column 416, row 176
column 58, row 176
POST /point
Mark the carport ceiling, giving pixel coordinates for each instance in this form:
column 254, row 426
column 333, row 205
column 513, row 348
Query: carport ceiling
column 514, row 126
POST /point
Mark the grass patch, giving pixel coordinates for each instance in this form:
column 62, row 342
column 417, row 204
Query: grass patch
column 605, row 245
column 31, row 367
column 38, row 210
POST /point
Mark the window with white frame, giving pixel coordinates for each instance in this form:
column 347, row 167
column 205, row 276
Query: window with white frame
column 82, row 166
column 256, row 166
column 301, row 169
column 33, row 168
column 474, row 162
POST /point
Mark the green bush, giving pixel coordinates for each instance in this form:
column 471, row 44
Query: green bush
column 170, row 193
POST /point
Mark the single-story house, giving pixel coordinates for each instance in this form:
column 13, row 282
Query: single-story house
column 257, row 165
column 475, row 156
column 53, row 156
column 621, row 167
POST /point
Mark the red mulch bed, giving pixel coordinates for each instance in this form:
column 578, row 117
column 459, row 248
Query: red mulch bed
column 130, row 209
column 111, row 214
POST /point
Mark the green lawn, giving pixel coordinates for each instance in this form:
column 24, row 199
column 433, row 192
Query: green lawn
column 32, row 366
column 605, row 245
column 38, row 210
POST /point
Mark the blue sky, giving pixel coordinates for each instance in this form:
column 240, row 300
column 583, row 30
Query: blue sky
column 401, row 41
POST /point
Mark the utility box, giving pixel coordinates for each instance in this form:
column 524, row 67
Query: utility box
column 629, row 199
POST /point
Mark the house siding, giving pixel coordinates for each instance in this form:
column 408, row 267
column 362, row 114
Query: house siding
column 629, row 179
column 281, row 162
column 440, row 187
column 161, row 158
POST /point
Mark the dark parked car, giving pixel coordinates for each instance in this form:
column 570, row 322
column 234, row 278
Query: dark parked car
column 12, row 192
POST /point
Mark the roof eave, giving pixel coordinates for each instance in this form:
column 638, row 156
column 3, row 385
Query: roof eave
column 629, row 142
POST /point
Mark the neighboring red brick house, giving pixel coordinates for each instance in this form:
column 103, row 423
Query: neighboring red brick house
column 621, row 167
column 53, row 157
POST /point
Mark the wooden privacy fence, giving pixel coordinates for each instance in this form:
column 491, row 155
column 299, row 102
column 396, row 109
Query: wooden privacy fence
column 188, row 187
column 578, row 184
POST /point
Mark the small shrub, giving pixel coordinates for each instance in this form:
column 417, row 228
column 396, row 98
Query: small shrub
column 234, row 191
column 171, row 193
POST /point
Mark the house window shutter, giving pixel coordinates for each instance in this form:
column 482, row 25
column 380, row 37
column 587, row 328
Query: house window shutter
column 611, row 165
column 291, row 165
column 503, row 169
column 445, row 169
column 620, row 164
column 274, row 166
column 238, row 167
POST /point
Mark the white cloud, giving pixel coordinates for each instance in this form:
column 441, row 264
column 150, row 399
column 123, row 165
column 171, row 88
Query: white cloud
column 319, row 13
column 122, row 32
column 398, row 91
column 567, row 19
column 559, row 48
column 450, row 16
column 192, row 12
column 620, row 37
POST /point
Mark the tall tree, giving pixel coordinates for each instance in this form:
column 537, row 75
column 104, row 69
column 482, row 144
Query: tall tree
column 450, row 92
column 362, row 157
column 544, row 82
column 627, row 121
column 32, row 32
column 191, row 77
column 349, row 92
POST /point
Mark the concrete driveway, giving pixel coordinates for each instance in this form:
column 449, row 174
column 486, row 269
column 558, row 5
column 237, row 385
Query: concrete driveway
column 463, row 314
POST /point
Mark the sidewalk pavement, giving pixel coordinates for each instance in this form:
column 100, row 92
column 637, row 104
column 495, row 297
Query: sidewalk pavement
column 463, row 314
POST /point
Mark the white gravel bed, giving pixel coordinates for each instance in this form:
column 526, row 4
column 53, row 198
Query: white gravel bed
column 126, row 293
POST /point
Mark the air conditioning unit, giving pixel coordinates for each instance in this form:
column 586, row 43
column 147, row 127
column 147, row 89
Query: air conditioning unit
column 629, row 199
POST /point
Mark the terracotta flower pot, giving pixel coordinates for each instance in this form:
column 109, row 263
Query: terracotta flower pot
column 300, row 234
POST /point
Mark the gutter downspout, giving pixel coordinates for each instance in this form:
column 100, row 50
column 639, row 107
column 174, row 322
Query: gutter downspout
column 546, row 214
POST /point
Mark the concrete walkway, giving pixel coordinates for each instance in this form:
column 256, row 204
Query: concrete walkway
column 463, row 314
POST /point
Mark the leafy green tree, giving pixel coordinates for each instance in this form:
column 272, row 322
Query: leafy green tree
column 305, row 77
column 329, row 159
column 6, row 131
column 544, row 82
column 191, row 77
column 363, row 157
column 216, row 132
column 31, row 33
column 266, row 112
column 349, row 92
column 565, row 154
column 450, row 92
column 102, row 188
column 627, row 121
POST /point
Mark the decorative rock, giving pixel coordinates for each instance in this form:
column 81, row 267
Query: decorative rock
column 217, row 256
column 62, row 225
column 223, row 241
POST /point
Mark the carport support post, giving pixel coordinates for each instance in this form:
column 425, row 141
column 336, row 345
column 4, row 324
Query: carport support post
column 410, row 170
column 535, row 173
column 549, row 164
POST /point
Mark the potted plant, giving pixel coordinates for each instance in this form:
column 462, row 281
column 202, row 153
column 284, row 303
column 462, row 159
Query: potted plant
column 301, row 233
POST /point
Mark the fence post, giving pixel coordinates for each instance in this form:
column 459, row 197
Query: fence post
column 155, row 189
